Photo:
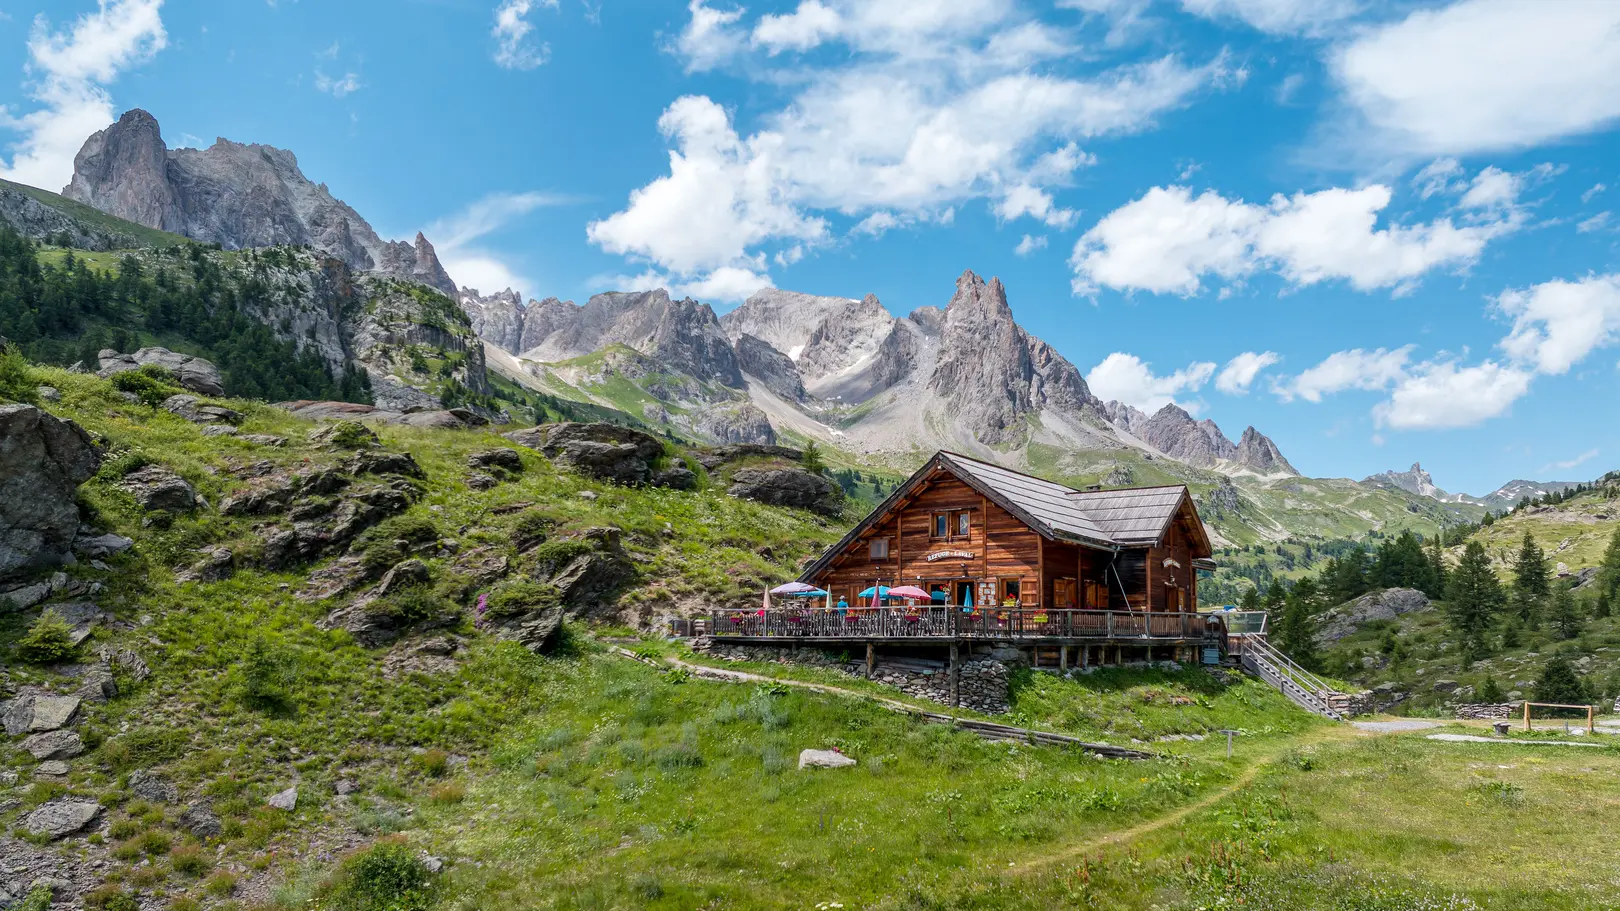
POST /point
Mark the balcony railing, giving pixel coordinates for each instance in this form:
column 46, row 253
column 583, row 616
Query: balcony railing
column 945, row 622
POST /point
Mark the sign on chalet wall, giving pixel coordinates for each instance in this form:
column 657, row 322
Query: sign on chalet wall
column 949, row 555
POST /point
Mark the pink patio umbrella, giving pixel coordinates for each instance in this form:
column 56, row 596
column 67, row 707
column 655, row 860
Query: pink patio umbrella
column 794, row 588
column 910, row 593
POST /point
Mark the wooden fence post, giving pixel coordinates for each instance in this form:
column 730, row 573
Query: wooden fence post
column 871, row 660
column 956, row 675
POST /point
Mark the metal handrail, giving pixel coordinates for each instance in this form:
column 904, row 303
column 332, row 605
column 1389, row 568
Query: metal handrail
column 1308, row 679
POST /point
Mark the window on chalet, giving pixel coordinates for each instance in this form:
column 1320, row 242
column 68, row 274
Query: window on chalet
column 955, row 524
column 880, row 548
column 1011, row 592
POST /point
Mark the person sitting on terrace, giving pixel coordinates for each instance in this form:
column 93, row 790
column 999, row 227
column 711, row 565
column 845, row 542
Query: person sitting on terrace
column 843, row 606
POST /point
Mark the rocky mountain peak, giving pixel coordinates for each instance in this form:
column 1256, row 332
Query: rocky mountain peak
column 238, row 196
column 1257, row 451
column 497, row 318
column 1174, row 432
column 122, row 170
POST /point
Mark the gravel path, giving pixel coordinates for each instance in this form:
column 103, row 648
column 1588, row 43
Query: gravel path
column 1470, row 738
column 1395, row 727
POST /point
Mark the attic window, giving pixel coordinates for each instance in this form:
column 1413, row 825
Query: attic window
column 880, row 548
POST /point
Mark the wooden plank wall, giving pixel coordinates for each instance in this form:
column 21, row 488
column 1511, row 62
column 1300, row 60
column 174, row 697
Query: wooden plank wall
column 1011, row 550
column 1177, row 546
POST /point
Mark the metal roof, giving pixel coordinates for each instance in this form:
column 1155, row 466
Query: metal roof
column 1124, row 517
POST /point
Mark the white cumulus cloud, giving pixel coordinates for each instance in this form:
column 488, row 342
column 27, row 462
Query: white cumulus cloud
column 1354, row 369
column 1442, row 395
column 1240, row 372
column 70, row 70
column 930, row 104
column 1558, row 323
column 1483, row 75
column 1127, row 378
column 1168, row 241
column 804, row 28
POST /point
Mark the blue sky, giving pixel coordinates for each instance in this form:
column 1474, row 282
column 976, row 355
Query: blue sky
column 1380, row 232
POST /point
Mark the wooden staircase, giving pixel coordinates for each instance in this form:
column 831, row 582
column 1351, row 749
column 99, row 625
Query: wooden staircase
column 1307, row 690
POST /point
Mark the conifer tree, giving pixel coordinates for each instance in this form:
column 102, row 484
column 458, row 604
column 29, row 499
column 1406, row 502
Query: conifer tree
column 1437, row 569
column 1251, row 599
column 1559, row 684
column 1608, row 580
column 1531, row 581
column 1294, row 629
column 1566, row 618
column 1473, row 598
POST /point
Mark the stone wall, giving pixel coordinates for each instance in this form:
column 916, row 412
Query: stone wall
column 982, row 685
column 1489, row 711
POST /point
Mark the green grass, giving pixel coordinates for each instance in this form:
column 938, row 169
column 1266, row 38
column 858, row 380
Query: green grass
column 137, row 235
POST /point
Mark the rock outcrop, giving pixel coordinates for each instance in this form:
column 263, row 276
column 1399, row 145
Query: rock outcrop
column 775, row 370
column 741, row 422
column 787, row 487
column 607, row 452
column 1178, row 435
column 238, row 196
column 43, row 460
column 1342, row 621
column 194, row 373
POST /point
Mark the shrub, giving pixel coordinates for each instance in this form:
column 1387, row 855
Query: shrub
column 409, row 606
column 189, row 860
column 517, row 597
column 220, row 884
column 554, row 555
column 145, row 747
column 151, row 384
column 17, row 383
column 350, row 435
column 38, row 899
column 433, row 763
column 266, row 676
column 386, row 877
column 110, row 897
column 48, row 641
column 531, row 529
column 451, row 792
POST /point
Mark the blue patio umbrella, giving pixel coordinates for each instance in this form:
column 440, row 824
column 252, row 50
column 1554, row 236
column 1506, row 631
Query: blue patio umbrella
column 882, row 591
column 967, row 598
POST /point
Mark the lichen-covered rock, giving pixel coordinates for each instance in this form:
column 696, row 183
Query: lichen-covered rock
column 189, row 408
column 194, row 373
column 152, row 787
column 824, row 759
column 1338, row 622
column 61, row 817
column 503, row 458
column 43, row 460
column 54, row 745
column 607, row 452
column 793, row 487
column 29, row 713
column 157, row 488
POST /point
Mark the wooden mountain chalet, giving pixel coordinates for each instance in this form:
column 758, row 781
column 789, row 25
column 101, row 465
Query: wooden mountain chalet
column 1007, row 560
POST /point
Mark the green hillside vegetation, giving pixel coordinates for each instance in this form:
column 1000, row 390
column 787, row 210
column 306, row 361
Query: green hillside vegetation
column 64, row 313
column 579, row 779
column 1572, row 528
column 130, row 235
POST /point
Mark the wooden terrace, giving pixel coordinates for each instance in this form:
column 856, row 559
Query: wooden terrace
column 944, row 624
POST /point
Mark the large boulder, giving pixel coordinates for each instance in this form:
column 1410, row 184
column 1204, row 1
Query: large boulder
column 32, row 713
column 189, row 408
column 194, row 373
column 157, row 488
column 61, row 818
column 1346, row 619
column 43, row 460
column 787, row 487
column 606, row 452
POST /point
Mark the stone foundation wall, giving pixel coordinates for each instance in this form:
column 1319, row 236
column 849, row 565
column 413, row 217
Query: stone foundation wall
column 982, row 685
column 1489, row 711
